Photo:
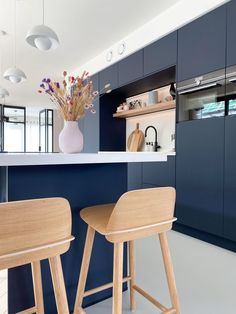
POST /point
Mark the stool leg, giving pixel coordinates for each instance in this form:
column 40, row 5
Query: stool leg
column 132, row 275
column 117, row 278
column 59, row 285
column 38, row 290
column 169, row 271
column 84, row 270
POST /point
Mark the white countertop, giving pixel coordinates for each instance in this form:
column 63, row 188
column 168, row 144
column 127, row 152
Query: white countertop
column 20, row 159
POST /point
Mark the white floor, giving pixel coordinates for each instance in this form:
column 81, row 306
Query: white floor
column 205, row 276
column 3, row 292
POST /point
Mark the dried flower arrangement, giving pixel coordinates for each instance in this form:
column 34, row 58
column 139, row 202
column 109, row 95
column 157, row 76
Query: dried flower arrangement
column 74, row 96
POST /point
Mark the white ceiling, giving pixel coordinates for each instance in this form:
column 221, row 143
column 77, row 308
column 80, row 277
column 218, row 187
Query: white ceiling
column 85, row 29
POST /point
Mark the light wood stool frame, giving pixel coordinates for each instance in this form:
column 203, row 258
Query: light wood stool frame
column 31, row 231
column 137, row 214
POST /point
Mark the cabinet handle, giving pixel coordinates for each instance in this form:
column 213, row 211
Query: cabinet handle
column 186, row 91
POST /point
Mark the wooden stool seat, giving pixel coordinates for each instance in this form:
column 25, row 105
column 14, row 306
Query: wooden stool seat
column 137, row 214
column 98, row 216
column 34, row 230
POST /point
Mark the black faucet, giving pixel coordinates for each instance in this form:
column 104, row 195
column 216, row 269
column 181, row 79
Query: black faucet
column 156, row 146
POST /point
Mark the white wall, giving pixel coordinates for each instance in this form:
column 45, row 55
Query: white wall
column 173, row 18
column 163, row 121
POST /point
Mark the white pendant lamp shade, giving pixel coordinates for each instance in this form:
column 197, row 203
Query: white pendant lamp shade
column 14, row 75
column 3, row 92
column 42, row 37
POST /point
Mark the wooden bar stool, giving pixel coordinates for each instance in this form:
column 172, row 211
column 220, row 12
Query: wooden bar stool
column 31, row 231
column 137, row 214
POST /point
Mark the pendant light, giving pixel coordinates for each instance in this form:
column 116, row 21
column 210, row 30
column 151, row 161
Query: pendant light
column 42, row 37
column 3, row 92
column 15, row 75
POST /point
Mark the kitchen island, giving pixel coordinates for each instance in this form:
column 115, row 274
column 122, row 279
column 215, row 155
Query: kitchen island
column 83, row 179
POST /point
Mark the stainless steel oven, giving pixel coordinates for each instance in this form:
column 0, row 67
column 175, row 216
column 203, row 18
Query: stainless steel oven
column 230, row 97
column 202, row 97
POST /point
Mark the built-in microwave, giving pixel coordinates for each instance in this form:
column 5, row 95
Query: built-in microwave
column 202, row 97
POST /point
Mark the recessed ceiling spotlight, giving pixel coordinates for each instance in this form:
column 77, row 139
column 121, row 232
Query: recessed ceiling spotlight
column 121, row 48
column 109, row 56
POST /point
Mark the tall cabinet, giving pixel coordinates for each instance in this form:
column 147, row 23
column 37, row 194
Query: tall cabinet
column 199, row 174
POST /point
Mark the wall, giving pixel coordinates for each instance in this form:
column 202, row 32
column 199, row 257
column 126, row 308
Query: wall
column 163, row 121
column 176, row 16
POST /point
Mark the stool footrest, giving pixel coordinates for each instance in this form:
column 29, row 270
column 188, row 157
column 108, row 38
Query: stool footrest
column 170, row 311
column 104, row 287
column 153, row 301
column 32, row 310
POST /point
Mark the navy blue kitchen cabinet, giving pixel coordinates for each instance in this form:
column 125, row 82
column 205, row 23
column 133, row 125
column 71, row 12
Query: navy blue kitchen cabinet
column 201, row 45
column 161, row 54
column 90, row 125
column 230, row 179
column 231, row 26
column 199, row 174
column 134, row 180
column 108, row 75
column 159, row 173
column 131, row 68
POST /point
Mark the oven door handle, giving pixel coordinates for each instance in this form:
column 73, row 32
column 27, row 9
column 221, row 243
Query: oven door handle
column 197, row 88
column 232, row 80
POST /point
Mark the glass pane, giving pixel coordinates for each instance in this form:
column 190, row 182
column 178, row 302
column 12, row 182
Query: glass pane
column 14, row 114
column 32, row 136
column 50, row 148
column 232, row 106
column 50, row 116
column 13, row 137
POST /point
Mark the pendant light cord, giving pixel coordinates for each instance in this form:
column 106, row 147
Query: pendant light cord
column 15, row 33
column 43, row 12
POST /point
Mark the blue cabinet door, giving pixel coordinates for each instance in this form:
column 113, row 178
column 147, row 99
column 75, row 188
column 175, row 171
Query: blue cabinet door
column 131, row 68
column 159, row 173
column 202, row 45
column 199, row 174
column 109, row 76
column 230, row 179
column 134, row 173
column 90, row 125
column 161, row 54
column 231, row 26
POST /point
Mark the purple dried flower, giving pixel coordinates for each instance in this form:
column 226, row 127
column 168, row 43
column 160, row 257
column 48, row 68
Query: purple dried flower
column 48, row 80
column 58, row 85
column 42, row 85
column 79, row 94
column 44, row 80
column 48, row 91
column 50, row 88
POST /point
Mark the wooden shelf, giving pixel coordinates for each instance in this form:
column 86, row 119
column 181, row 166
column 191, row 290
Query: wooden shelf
column 149, row 109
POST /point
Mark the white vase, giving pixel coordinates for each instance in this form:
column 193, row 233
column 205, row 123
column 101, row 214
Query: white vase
column 71, row 139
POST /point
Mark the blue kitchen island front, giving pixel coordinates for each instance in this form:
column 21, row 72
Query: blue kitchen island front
column 85, row 180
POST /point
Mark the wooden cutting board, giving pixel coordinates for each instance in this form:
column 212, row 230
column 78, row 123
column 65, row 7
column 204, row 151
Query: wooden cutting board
column 135, row 140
